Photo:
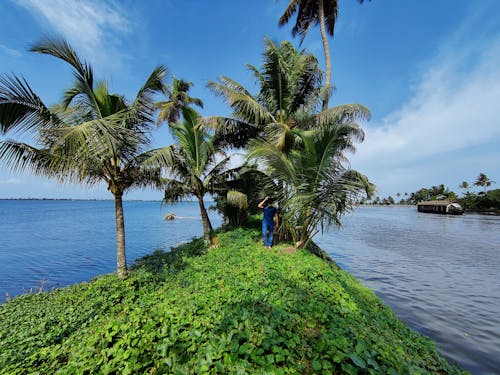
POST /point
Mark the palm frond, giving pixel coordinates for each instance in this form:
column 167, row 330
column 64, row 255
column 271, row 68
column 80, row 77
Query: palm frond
column 237, row 199
column 175, row 191
column 230, row 132
column 347, row 113
column 143, row 103
column 83, row 72
column 243, row 104
column 21, row 109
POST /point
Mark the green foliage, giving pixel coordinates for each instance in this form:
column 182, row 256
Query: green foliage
column 489, row 202
column 433, row 193
column 238, row 308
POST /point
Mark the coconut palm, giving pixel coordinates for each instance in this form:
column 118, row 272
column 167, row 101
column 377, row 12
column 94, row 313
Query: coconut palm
column 316, row 187
column 195, row 165
column 464, row 185
column 93, row 136
column 177, row 98
column 484, row 181
column 287, row 101
column 314, row 12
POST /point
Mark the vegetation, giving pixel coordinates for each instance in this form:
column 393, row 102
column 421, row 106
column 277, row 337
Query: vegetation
column 300, row 150
column 177, row 99
column 484, row 201
column 234, row 309
column 92, row 136
column 315, row 12
column 484, row 181
column 193, row 165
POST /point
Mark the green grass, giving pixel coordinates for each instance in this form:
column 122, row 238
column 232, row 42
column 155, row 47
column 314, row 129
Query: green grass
column 236, row 308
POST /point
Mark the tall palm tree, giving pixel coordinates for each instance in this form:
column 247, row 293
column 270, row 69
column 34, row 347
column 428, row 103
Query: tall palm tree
column 177, row 98
column 314, row 12
column 287, row 101
column 316, row 187
column 195, row 165
column 282, row 114
column 484, row 181
column 92, row 136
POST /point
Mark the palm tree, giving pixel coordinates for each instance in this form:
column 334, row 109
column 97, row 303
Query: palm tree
column 178, row 98
column 314, row 12
column 286, row 102
column 282, row 115
column 464, row 185
column 484, row 181
column 93, row 136
column 196, row 166
column 315, row 186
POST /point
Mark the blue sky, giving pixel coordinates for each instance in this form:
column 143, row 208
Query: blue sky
column 428, row 71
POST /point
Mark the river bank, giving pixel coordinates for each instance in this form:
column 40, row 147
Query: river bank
column 237, row 307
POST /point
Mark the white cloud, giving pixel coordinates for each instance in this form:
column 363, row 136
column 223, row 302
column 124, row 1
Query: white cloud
column 10, row 51
column 455, row 107
column 95, row 28
column 11, row 181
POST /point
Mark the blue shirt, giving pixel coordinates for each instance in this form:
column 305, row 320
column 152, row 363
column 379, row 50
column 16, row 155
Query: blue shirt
column 269, row 212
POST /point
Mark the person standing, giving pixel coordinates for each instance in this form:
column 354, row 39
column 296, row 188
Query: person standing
column 269, row 221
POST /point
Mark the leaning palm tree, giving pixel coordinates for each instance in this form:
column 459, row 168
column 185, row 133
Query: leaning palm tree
column 314, row 12
column 177, row 98
column 316, row 188
column 484, row 181
column 286, row 102
column 93, row 136
column 195, row 165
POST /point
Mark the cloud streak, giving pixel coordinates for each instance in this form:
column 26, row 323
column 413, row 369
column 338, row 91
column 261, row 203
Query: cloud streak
column 94, row 28
column 454, row 107
column 10, row 51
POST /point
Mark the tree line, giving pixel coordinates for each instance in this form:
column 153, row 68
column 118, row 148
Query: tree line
column 483, row 201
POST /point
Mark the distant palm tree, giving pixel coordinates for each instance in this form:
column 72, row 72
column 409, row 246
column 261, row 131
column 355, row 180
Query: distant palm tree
column 177, row 98
column 195, row 165
column 484, row 181
column 92, row 136
column 314, row 12
column 314, row 186
column 464, row 185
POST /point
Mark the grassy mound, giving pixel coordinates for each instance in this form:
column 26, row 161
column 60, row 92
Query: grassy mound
column 236, row 308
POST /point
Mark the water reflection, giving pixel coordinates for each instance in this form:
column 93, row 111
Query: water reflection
column 440, row 274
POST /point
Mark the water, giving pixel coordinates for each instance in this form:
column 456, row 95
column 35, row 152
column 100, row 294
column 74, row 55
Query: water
column 56, row 243
column 440, row 274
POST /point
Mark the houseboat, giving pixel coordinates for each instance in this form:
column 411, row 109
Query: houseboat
column 440, row 207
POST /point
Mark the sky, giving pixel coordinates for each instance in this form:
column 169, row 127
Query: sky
column 427, row 70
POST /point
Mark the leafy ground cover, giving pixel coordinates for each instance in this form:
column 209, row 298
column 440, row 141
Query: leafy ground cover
column 236, row 308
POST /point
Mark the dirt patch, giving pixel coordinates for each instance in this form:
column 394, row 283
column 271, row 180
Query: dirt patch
column 289, row 250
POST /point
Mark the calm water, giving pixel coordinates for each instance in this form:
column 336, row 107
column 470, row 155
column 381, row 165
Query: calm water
column 440, row 274
column 56, row 243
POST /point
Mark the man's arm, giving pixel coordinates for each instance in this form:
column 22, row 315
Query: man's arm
column 261, row 204
column 276, row 221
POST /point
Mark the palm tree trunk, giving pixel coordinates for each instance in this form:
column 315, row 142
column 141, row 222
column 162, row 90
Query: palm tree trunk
column 207, row 225
column 121, row 261
column 326, row 49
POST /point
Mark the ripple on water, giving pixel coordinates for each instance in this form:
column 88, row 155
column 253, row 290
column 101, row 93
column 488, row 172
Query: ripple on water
column 438, row 273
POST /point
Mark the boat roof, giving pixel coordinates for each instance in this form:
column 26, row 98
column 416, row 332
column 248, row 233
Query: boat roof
column 435, row 203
